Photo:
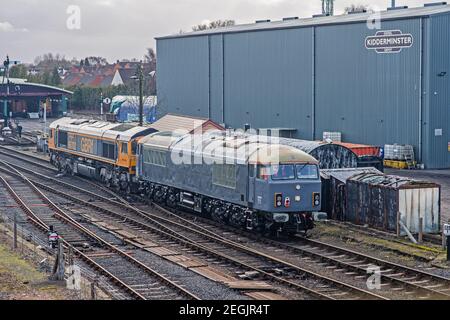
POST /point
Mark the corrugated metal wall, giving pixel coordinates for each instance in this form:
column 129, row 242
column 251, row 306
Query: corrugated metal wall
column 183, row 70
column 437, row 94
column 316, row 79
column 268, row 80
column 370, row 97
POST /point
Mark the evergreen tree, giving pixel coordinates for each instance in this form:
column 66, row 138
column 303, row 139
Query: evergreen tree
column 46, row 78
column 18, row 71
column 55, row 78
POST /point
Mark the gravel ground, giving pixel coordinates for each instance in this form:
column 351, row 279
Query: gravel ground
column 202, row 287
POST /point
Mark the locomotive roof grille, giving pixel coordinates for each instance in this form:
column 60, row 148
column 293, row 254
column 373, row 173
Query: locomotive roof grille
column 123, row 127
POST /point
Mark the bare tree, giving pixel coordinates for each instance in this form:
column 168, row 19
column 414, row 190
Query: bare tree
column 214, row 25
column 94, row 61
column 150, row 56
column 48, row 61
column 358, row 8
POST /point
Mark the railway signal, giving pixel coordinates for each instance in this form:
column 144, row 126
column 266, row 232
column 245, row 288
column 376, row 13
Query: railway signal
column 447, row 234
column 6, row 66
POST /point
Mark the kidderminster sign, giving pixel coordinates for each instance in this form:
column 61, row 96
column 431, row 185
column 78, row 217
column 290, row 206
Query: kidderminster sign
column 391, row 41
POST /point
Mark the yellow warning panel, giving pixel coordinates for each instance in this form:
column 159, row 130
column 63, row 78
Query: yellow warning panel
column 395, row 164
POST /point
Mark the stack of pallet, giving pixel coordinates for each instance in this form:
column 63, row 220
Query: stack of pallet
column 333, row 136
column 399, row 156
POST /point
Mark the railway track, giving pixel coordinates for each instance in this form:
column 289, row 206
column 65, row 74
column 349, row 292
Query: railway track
column 399, row 279
column 220, row 249
column 40, row 163
column 106, row 256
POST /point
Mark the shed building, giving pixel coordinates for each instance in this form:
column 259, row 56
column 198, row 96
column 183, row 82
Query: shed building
column 23, row 98
column 377, row 83
column 184, row 124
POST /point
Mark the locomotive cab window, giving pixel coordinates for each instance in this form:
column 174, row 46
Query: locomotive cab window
column 307, row 171
column 109, row 151
column 263, row 173
column 62, row 139
column 133, row 148
column 277, row 172
column 124, row 149
column 283, row 172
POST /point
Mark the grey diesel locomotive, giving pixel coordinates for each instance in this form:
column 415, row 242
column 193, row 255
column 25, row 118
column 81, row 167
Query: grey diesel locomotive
column 238, row 180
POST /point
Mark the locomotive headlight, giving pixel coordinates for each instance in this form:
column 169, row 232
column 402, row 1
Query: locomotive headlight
column 278, row 200
column 316, row 199
column 298, row 187
column 298, row 198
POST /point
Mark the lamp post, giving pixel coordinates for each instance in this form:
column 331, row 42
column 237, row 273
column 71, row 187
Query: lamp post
column 139, row 76
column 101, row 103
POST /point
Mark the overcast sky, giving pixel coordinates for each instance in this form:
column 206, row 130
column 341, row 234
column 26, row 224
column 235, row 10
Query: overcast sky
column 117, row 29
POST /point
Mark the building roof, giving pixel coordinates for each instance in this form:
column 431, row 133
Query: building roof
column 72, row 79
column 107, row 80
column 35, row 89
column 126, row 75
column 344, row 174
column 172, row 122
column 398, row 13
column 97, row 82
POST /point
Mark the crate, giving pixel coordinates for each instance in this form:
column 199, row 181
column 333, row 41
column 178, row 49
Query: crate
column 333, row 136
column 383, row 201
column 399, row 152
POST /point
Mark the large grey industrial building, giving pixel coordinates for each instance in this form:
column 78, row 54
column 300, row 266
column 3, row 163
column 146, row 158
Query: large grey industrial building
column 375, row 85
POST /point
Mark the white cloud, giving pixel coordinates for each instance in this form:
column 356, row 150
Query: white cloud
column 8, row 27
column 105, row 3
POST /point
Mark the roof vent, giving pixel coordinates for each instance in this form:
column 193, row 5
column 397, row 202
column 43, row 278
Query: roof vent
column 290, row 18
column 397, row 8
column 262, row 21
column 320, row 15
column 435, row 4
column 358, row 11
